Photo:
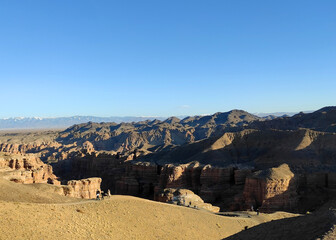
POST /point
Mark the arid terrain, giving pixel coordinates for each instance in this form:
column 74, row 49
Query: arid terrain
column 29, row 213
column 211, row 169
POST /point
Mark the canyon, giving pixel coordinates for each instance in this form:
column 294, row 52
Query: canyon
column 231, row 160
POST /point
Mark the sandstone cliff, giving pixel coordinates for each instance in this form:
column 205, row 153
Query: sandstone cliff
column 26, row 169
column 271, row 190
column 84, row 188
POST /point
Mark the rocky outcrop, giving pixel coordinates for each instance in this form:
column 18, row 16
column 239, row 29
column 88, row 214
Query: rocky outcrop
column 217, row 185
column 180, row 176
column 184, row 197
column 27, row 169
column 211, row 175
column 84, row 188
column 88, row 147
column 139, row 179
column 271, row 190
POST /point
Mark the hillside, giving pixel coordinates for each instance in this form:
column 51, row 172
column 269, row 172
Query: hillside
column 125, row 217
column 323, row 120
column 303, row 150
column 148, row 135
column 37, row 215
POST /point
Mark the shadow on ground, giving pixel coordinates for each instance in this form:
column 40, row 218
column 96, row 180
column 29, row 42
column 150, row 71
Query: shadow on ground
column 310, row 226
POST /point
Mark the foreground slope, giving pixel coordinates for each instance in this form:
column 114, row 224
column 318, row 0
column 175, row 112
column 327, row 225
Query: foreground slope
column 35, row 212
column 120, row 217
column 318, row 225
column 31, row 193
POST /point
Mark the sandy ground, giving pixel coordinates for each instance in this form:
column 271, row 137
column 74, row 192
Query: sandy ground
column 120, row 217
column 34, row 212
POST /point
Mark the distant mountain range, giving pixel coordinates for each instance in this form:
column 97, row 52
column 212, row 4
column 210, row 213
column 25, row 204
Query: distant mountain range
column 149, row 135
column 278, row 114
column 65, row 122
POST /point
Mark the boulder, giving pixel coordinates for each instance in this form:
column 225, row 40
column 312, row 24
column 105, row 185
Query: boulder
column 184, row 197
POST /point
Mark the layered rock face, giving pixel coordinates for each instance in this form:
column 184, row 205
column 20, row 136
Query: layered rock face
column 218, row 185
column 138, row 180
column 234, row 157
column 27, row 169
column 84, row 188
column 145, row 179
column 271, row 190
column 184, row 197
column 106, row 166
column 180, row 176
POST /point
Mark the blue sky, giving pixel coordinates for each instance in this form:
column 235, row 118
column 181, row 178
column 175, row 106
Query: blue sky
column 163, row 58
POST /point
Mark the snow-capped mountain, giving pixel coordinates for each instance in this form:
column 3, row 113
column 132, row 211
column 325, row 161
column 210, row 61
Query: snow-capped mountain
column 63, row 122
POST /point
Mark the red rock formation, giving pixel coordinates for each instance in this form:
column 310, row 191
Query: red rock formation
column 27, row 169
column 144, row 179
column 84, row 188
column 138, row 180
column 271, row 190
column 214, row 182
column 214, row 175
column 128, row 186
column 180, row 176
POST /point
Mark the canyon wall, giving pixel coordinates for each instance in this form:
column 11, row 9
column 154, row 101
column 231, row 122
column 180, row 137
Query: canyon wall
column 29, row 169
column 271, row 190
column 26, row 169
column 217, row 185
column 84, row 188
column 227, row 187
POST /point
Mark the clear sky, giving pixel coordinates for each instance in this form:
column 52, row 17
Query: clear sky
column 162, row 58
